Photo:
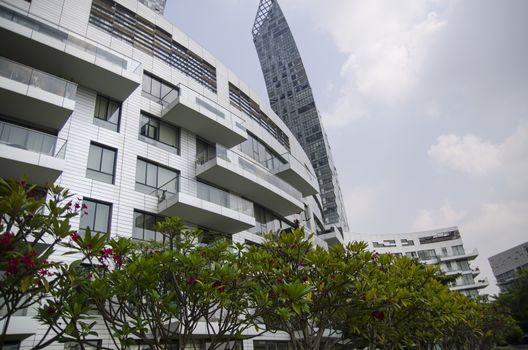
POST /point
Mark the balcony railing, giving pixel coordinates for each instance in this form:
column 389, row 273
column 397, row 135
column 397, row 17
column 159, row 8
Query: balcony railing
column 33, row 77
column 204, row 192
column 248, row 164
column 32, row 140
column 56, row 32
column 473, row 252
column 297, row 164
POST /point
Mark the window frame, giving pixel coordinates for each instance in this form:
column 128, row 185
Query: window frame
column 105, row 122
column 158, row 237
column 157, row 187
column 158, row 130
column 103, row 148
column 109, row 220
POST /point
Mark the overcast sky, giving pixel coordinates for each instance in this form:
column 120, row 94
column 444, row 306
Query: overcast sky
column 425, row 103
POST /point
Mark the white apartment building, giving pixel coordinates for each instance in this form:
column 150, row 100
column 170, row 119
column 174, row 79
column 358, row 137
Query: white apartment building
column 441, row 247
column 110, row 100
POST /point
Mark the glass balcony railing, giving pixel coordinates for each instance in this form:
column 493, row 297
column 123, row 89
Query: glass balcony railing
column 473, row 252
column 248, row 164
column 298, row 165
column 56, row 32
column 33, row 77
column 219, row 112
column 32, row 140
column 204, row 192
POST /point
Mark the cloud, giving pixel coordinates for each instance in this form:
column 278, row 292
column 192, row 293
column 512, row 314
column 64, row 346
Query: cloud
column 473, row 156
column 445, row 216
column 467, row 154
column 361, row 203
column 386, row 45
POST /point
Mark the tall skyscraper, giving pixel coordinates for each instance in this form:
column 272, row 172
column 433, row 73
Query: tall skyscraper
column 291, row 98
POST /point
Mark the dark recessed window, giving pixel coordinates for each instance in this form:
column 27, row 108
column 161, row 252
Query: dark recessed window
column 152, row 178
column 101, row 163
column 96, row 216
column 107, row 113
column 157, row 130
column 158, row 90
column 145, row 226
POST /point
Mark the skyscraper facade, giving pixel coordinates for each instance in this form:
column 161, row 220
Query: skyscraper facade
column 291, row 98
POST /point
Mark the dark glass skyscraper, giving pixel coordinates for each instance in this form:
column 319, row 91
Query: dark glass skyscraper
column 292, row 100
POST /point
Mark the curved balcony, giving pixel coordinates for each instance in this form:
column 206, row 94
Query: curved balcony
column 482, row 283
column 24, row 90
column 463, row 255
column 297, row 174
column 206, row 205
column 31, row 153
column 242, row 175
column 204, row 117
column 47, row 46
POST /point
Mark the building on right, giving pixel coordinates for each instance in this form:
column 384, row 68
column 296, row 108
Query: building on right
column 441, row 247
column 291, row 98
column 506, row 264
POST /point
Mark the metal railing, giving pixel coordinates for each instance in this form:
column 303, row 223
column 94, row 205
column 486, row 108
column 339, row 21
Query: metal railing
column 220, row 112
column 56, row 32
column 204, row 192
column 30, row 76
column 292, row 160
column 32, row 140
column 459, row 253
column 248, row 164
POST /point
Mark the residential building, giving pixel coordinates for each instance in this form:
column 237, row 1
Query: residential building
column 507, row 264
column 291, row 97
column 110, row 100
column 440, row 247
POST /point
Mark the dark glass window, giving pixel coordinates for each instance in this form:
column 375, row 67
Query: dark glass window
column 96, row 216
column 145, row 226
column 107, row 113
column 101, row 163
column 158, row 90
column 157, row 130
column 151, row 177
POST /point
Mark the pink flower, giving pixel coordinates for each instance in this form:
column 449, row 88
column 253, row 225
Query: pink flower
column 12, row 265
column 84, row 206
column 191, row 280
column 75, row 236
column 77, row 205
column 6, row 239
column 28, row 261
column 118, row 260
column 378, row 315
column 107, row 251
column 22, row 183
column 44, row 272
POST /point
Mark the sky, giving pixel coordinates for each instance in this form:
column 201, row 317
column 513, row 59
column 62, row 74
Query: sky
column 425, row 103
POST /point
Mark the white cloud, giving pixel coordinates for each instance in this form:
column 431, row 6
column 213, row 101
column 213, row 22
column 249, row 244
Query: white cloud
column 467, row 154
column 445, row 216
column 361, row 203
column 387, row 44
column 471, row 155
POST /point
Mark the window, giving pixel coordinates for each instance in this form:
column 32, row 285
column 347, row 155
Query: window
column 145, row 226
column 458, row 250
column 107, row 113
column 96, row 216
column 157, row 130
column 158, row 90
column 205, row 151
column 151, row 177
column 101, row 163
column 427, row 254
